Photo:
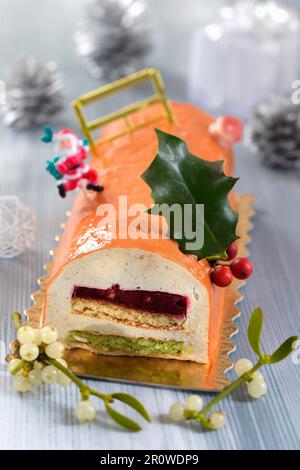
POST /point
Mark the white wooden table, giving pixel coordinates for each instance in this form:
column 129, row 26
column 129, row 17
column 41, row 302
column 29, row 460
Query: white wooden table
column 44, row 419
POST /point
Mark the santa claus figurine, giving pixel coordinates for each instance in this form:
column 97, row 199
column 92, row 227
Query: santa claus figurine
column 69, row 165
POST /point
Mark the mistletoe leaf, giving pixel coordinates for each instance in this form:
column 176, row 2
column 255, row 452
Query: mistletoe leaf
column 284, row 350
column 177, row 177
column 134, row 403
column 254, row 330
column 122, row 420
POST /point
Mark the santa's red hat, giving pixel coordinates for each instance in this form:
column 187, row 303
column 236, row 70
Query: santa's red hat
column 65, row 134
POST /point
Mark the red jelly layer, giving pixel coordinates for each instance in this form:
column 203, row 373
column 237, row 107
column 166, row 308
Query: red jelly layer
column 149, row 301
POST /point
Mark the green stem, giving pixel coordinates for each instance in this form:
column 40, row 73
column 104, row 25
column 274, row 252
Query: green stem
column 103, row 396
column 216, row 258
column 16, row 318
column 18, row 368
column 223, row 263
column 244, row 378
column 84, row 389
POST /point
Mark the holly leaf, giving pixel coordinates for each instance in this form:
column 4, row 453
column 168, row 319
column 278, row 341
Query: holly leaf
column 284, row 350
column 177, row 177
column 254, row 330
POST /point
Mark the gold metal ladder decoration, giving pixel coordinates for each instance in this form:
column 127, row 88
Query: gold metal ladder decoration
column 132, row 80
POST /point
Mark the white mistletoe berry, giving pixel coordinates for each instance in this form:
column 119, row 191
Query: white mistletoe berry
column 85, row 411
column 194, row 403
column 242, row 366
column 29, row 351
column 49, row 334
column 55, row 350
column 49, row 374
column 257, row 388
column 35, row 377
column 62, row 379
column 176, row 412
column 258, row 376
column 21, row 384
column 217, row 420
column 26, row 334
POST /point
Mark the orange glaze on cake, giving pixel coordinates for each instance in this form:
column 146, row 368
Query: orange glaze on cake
column 120, row 164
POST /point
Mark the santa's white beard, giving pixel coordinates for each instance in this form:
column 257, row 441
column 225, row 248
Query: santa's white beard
column 65, row 153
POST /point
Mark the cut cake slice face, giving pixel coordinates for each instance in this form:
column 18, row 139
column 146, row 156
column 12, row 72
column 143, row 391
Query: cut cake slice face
column 115, row 328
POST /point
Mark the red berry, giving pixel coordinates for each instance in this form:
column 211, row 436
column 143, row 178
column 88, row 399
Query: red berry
column 241, row 268
column 221, row 276
column 232, row 251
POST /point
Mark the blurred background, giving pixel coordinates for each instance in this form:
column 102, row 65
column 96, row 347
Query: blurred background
column 206, row 53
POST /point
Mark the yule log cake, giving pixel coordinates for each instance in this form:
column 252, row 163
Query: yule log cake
column 134, row 297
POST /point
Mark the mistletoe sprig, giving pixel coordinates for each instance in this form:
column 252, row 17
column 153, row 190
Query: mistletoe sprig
column 37, row 358
column 247, row 372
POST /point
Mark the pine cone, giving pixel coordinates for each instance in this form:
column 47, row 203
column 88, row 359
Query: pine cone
column 114, row 38
column 34, row 94
column 275, row 132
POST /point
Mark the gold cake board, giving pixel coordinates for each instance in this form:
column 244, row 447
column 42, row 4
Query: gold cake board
column 167, row 372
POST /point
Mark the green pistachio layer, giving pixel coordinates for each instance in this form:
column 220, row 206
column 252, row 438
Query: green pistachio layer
column 139, row 346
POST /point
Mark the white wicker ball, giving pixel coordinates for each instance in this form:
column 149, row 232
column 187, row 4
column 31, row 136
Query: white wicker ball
column 17, row 227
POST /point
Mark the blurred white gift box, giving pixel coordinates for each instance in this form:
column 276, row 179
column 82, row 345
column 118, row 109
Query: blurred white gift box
column 250, row 52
